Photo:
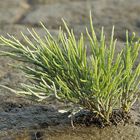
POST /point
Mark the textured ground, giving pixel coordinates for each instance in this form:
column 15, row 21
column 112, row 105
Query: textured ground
column 17, row 15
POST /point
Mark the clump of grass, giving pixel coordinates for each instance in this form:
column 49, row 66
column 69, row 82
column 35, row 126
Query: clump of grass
column 99, row 83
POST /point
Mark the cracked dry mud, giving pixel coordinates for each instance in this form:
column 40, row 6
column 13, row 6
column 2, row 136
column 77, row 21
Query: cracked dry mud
column 41, row 120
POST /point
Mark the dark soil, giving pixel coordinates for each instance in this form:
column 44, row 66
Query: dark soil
column 20, row 118
column 87, row 118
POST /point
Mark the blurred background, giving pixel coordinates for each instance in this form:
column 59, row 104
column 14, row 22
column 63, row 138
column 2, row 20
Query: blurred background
column 17, row 15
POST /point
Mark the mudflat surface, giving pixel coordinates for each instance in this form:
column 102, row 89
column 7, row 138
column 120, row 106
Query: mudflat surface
column 42, row 119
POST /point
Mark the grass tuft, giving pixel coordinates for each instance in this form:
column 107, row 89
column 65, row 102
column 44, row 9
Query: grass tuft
column 99, row 83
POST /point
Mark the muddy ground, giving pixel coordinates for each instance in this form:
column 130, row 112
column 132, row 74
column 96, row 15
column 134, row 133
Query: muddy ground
column 17, row 113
